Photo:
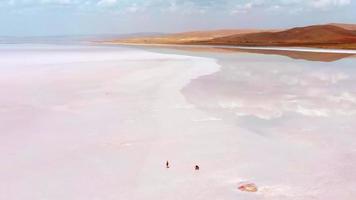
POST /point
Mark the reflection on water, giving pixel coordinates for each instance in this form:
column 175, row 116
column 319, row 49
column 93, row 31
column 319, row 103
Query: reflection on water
column 278, row 95
column 311, row 105
column 303, row 55
column 311, row 56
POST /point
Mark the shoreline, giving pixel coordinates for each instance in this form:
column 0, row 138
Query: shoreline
column 201, row 50
column 295, row 49
column 270, row 108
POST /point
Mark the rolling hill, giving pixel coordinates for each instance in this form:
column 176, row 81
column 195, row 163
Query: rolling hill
column 187, row 37
column 328, row 36
column 339, row 36
column 345, row 26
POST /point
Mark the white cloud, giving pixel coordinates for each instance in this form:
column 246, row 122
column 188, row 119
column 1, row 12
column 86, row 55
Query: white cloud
column 184, row 7
column 195, row 5
column 39, row 2
column 329, row 3
column 242, row 8
column 134, row 8
column 107, row 2
column 57, row 1
column 289, row 6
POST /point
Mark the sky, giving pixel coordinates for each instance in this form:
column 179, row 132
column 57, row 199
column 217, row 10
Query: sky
column 93, row 17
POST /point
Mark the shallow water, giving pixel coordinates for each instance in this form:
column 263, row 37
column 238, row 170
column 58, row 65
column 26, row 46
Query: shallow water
column 304, row 112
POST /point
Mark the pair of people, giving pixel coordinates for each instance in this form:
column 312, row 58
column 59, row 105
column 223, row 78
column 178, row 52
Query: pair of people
column 196, row 166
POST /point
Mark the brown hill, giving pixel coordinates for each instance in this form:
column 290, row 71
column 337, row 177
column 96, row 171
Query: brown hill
column 188, row 37
column 215, row 33
column 345, row 26
column 340, row 36
column 328, row 36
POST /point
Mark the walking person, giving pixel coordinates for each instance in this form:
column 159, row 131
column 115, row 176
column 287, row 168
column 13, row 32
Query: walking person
column 167, row 164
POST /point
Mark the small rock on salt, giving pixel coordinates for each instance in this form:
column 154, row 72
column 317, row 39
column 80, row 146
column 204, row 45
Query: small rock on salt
column 248, row 187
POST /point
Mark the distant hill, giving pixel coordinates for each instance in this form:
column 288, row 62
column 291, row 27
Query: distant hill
column 339, row 36
column 328, row 36
column 345, row 26
column 214, row 33
column 186, row 37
